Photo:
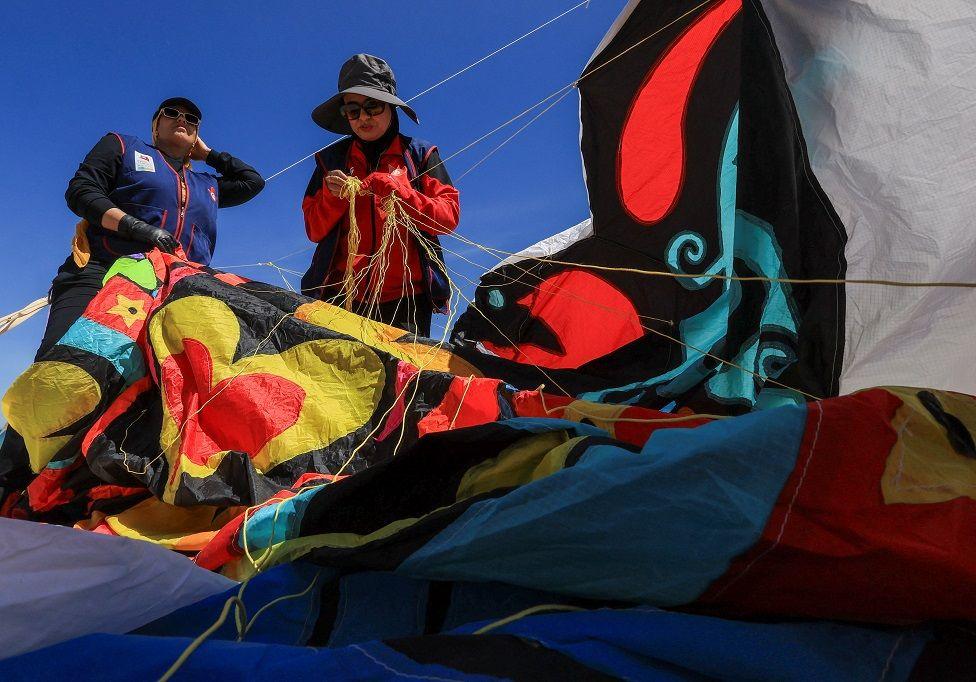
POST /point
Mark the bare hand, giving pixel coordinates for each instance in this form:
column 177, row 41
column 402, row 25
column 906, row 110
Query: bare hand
column 200, row 150
column 335, row 181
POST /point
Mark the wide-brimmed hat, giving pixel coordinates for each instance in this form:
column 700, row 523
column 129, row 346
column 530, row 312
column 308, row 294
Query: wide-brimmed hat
column 362, row 74
column 178, row 102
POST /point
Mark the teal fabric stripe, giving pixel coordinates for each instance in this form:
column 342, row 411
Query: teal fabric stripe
column 112, row 345
column 278, row 522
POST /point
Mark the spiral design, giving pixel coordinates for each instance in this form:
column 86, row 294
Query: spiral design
column 689, row 248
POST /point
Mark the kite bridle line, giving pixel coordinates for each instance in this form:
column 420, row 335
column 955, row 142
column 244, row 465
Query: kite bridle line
column 433, row 224
column 240, row 619
column 449, row 78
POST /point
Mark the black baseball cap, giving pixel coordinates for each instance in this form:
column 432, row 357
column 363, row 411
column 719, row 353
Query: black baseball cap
column 179, row 102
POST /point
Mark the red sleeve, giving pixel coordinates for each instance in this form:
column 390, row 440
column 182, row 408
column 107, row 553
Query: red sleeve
column 322, row 210
column 436, row 209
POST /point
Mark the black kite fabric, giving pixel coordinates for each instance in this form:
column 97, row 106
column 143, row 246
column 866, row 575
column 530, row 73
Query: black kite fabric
column 696, row 169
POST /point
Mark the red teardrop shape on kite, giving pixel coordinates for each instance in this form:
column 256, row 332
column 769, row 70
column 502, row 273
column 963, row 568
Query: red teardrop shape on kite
column 651, row 158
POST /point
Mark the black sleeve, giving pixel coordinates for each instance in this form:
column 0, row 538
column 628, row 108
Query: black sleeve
column 88, row 190
column 315, row 182
column 238, row 182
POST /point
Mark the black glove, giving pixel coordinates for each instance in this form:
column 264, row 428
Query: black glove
column 137, row 230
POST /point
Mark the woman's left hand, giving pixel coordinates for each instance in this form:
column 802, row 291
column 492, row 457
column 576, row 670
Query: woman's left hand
column 384, row 184
column 200, row 150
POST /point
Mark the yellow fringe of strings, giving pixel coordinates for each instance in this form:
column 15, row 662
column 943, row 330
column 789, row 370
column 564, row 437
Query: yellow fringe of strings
column 352, row 188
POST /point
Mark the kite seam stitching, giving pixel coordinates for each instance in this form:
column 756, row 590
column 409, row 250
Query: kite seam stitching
column 807, row 169
column 789, row 509
column 397, row 672
column 891, row 657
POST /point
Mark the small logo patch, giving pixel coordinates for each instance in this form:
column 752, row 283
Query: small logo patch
column 213, row 194
column 144, row 162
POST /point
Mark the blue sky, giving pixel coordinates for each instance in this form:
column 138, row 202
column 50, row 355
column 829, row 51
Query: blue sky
column 74, row 71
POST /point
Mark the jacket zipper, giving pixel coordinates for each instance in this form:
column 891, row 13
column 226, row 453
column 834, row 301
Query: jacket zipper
column 184, row 202
column 372, row 214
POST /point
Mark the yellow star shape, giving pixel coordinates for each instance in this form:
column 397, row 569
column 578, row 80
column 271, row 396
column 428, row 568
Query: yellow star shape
column 131, row 311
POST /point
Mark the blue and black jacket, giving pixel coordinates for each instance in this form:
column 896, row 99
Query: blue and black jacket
column 124, row 172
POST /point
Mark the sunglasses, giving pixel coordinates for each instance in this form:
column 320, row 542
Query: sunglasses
column 171, row 112
column 353, row 110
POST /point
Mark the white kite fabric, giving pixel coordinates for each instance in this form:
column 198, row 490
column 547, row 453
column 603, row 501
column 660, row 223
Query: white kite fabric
column 57, row 583
column 886, row 95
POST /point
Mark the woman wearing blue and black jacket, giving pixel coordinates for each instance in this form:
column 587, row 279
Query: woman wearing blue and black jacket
column 137, row 196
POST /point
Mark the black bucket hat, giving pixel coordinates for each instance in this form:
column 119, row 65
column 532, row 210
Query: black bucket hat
column 362, row 74
column 178, row 102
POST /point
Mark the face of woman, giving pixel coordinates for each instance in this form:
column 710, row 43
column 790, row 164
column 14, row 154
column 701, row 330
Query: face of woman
column 368, row 128
column 175, row 133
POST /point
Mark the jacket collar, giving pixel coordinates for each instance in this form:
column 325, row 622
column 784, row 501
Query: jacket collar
column 395, row 148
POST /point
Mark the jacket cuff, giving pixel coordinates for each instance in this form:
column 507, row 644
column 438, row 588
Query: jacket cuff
column 96, row 209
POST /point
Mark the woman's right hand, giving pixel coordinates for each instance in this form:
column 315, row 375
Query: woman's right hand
column 334, row 182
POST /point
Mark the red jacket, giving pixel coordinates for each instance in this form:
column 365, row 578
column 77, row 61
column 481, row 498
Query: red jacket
column 431, row 201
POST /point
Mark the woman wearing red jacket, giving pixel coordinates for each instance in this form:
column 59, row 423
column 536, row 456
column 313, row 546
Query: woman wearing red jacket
column 399, row 280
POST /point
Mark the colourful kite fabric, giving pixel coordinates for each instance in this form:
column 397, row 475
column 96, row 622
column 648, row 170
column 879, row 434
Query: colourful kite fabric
column 406, row 494
column 697, row 171
column 248, row 426
column 202, row 388
column 788, row 512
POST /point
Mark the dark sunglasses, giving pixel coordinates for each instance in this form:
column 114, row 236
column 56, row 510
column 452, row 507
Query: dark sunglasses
column 353, row 110
column 171, row 112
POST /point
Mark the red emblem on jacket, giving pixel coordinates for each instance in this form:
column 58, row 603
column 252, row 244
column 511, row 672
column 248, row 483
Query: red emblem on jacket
column 213, row 194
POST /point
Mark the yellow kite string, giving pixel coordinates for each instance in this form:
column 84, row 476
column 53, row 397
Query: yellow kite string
column 390, row 229
column 702, row 351
column 524, row 613
column 350, row 190
column 195, row 644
